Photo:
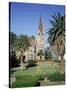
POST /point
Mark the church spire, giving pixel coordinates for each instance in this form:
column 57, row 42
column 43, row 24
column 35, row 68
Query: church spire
column 40, row 27
column 40, row 37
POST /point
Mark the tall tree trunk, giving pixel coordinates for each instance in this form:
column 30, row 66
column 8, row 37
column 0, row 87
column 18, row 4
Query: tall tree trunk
column 21, row 62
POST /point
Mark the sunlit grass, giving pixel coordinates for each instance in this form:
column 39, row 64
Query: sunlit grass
column 29, row 77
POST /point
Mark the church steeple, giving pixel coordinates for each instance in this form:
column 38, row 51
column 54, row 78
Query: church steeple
column 40, row 37
column 40, row 27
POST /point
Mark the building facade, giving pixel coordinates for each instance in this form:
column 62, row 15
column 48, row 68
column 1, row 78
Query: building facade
column 37, row 46
column 36, row 49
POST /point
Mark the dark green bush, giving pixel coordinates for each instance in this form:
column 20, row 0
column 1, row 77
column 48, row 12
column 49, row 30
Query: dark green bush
column 56, row 77
column 57, row 61
column 42, row 77
column 13, row 60
column 31, row 63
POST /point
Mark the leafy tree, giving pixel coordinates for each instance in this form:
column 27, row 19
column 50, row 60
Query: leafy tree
column 13, row 60
column 13, row 38
column 40, row 53
column 48, row 54
column 33, row 37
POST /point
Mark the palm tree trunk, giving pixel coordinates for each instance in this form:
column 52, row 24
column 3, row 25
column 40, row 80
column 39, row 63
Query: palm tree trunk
column 21, row 63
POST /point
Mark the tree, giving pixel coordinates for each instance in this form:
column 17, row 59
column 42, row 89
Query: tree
column 56, row 34
column 21, row 45
column 33, row 37
column 12, row 38
column 19, row 55
column 56, row 37
column 48, row 54
column 41, row 53
column 22, row 42
column 13, row 60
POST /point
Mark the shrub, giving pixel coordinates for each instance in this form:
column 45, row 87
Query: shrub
column 13, row 60
column 31, row 63
column 42, row 77
column 56, row 77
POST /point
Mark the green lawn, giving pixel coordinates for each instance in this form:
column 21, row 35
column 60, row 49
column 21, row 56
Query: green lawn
column 31, row 76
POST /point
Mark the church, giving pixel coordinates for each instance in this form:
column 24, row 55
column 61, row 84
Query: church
column 36, row 49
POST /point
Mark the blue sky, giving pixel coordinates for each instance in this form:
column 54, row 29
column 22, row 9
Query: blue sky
column 24, row 17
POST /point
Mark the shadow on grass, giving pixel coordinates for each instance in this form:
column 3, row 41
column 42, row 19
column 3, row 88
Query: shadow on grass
column 29, row 66
column 12, row 71
column 37, row 84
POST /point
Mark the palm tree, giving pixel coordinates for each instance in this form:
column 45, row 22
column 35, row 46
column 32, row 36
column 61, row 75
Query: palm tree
column 56, row 37
column 21, row 45
column 56, row 34
column 22, row 42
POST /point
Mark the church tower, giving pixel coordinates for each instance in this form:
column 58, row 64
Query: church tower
column 40, row 37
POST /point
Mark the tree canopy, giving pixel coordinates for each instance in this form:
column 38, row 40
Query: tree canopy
column 56, row 33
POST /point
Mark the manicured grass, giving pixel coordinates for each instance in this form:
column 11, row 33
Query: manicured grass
column 26, row 81
column 57, row 77
column 31, row 76
column 41, row 68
